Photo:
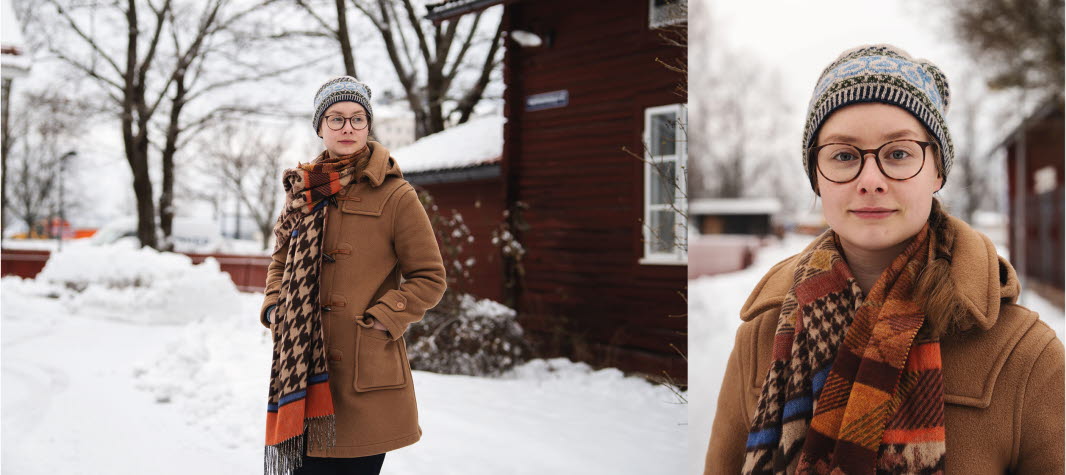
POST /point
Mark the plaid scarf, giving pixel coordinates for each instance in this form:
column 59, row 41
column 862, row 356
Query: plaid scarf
column 300, row 404
column 852, row 387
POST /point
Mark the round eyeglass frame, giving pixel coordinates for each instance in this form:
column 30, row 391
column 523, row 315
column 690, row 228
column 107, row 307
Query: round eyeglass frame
column 347, row 120
column 812, row 153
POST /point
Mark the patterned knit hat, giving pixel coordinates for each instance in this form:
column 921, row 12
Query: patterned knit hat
column 344, row 88
column 886, row 74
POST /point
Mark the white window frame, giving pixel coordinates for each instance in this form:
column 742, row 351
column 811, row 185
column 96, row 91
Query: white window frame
column 654, row 14
column 680, row 160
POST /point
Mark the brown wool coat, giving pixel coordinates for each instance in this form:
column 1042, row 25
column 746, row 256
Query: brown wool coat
column 387, row 266
column 1003, row 378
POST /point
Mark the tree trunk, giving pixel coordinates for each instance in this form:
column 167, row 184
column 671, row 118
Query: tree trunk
column 344, row 39
column 166, row 198
column 5, row 145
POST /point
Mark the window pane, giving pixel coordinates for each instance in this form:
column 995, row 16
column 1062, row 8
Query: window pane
column 663, row 180
column 663, row 137
column 662, row 231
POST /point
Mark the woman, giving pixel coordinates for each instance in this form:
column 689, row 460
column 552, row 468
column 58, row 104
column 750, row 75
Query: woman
column 341, row 393
column 893, row 343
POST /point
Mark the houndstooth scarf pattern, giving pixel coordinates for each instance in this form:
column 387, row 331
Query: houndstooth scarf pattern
column 300, row 408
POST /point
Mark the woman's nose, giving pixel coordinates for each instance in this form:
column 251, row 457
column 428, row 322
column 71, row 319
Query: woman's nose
column 870, row 179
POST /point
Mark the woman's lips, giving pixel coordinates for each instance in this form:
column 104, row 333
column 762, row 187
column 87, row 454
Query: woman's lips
column 347, row 141
column 872, row 213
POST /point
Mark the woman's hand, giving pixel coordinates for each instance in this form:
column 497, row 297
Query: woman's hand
column 377, row 324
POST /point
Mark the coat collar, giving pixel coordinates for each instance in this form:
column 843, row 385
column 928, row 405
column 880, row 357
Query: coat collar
column 381, row 165
column 983, row 280
column 986, row 285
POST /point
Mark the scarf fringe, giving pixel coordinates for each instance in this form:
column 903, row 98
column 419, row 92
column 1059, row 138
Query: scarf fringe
column 287, row 456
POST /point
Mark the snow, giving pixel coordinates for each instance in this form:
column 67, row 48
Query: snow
column 96, row 386
column 478, row 141
column 139, row 285
column 715, row 206
column 714, row 316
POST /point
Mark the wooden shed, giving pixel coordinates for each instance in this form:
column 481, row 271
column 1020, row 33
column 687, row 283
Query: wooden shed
column 1035, row 156
column 460, row 168
column 604, row 274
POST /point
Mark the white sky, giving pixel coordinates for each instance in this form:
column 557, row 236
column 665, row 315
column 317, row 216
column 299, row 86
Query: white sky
column 800, row 38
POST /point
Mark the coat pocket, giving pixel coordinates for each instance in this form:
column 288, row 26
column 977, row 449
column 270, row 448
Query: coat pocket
column 380, row 361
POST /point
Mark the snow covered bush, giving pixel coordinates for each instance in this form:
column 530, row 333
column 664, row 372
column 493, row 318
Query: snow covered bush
column 140, row 285
column 480, row 338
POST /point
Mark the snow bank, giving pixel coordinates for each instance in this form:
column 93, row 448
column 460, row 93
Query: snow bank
column 215, row 371
column 138, row 285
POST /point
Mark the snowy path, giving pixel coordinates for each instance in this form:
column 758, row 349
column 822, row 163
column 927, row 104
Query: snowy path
column 69, row 404
column 80, row 393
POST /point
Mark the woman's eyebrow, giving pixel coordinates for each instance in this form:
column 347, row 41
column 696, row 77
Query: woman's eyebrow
column 900, row 134
column 835, row 138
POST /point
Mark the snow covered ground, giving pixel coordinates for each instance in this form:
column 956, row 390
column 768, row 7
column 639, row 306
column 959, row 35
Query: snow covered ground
column 169, row 377
column 714, row 315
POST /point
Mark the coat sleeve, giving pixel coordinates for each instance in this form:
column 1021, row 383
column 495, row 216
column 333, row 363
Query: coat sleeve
column 420, row 265
column 729, row 433
column 273, row 283
column 1041, row 431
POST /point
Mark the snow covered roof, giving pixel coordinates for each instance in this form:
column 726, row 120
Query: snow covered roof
column 14, row 61
column 718, row 206
column 477, row 142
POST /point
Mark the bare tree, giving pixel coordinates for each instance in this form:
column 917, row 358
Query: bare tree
column 740, row 124
column 337, row 32
column 246, row 163
column 43, row 123
column 163, row 65
column 1020, row 41
column 429, row 59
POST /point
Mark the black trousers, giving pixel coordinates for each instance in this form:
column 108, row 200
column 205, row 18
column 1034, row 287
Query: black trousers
column 370, row 465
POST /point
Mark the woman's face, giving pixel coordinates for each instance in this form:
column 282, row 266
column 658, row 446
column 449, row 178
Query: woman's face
column 874, row 212
column 347, row 140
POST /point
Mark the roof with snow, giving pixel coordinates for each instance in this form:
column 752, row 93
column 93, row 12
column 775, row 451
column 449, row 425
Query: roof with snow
column 733, row 206
column 475, row 143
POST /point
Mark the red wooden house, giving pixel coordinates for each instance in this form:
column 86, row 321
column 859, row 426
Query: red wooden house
column 1035, row 156
column 604, row 234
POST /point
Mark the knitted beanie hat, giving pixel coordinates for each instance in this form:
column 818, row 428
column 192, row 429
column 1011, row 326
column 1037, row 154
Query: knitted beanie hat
column 886, row 74
column 344, row 88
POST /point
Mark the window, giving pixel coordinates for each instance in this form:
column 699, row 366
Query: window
column 666, row 154
column 666, row 12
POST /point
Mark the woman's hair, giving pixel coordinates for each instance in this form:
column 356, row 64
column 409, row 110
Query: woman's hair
column 935, row 287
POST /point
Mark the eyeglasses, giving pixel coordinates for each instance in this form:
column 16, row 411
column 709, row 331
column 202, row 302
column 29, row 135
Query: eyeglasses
column 336, row 122
column 841, row 163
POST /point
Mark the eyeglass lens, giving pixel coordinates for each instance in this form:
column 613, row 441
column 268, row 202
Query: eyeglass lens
column 899, row 160
column 336, row 122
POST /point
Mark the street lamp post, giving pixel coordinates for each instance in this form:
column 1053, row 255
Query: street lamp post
column 59, row 230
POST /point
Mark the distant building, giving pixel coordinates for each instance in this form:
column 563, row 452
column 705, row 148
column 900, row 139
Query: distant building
column 605, row 267
column 394, row 125
column 727, row 232
column 1035, row 155
column 754, row 216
